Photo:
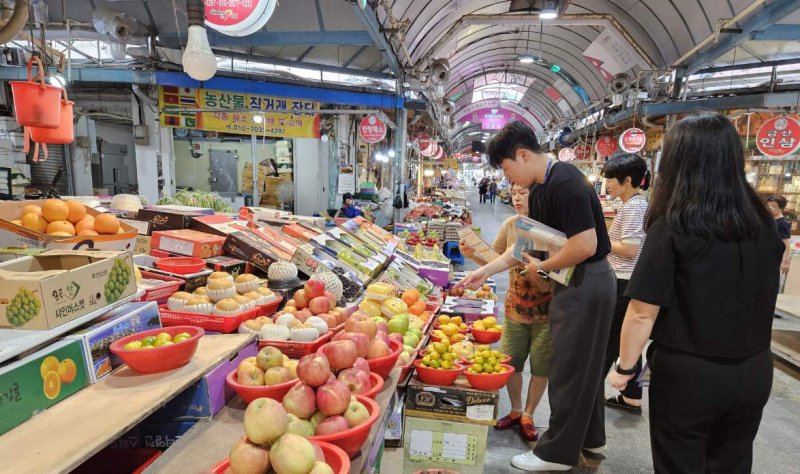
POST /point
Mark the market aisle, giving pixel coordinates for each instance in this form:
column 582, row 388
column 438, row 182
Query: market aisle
column 628, row 436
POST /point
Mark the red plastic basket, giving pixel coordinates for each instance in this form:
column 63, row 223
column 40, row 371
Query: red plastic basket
column 383, row 365
column 489, row 382
column 432, row 376
column 351, row 440
column 161, row 293
column 377, row 385
column 248, row 393
column 181, row 265
column 335, row 457
column 270, row 308
column 486, row 337
column 119, row 461
column 209, row 322
column 158, row 359
column 295, row 349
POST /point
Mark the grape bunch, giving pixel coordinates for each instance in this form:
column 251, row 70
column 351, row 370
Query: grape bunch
column 23, row 307
column 118, row 280
column 350, row 289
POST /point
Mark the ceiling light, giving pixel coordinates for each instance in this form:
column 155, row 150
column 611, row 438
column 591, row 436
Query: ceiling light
column 258, row 119
column 428, row 172
column 391, row 153
column 198, row 60
column 526, row 59
column 549, row 10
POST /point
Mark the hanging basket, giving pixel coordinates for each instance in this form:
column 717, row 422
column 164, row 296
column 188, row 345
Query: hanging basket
column 64, row 134
column 36, row 104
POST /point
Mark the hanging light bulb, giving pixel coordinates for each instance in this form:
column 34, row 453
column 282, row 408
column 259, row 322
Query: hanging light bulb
column 198, row 60
column 526, row 59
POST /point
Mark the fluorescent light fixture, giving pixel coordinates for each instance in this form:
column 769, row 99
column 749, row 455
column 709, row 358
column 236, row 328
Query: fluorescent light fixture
column 526, row 58
column 549, row 10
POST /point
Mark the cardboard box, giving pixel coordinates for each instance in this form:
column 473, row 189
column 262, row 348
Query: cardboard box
column 153, row 434
column 163, row 218
column 311, row 262
column 431, row 444
column 454, row 403
column 64, row 284
column 234, row 266
column 299, row 232
column 97, row 336
column 394, row 428
column 142, row 227
column 217, row 224
column 22, row 387
column 248, row 246
column 206, row 397
column 188, row 242
column 142, row 245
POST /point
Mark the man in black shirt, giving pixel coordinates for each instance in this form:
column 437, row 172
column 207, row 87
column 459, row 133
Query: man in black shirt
column 580, row 313
column 776, row 204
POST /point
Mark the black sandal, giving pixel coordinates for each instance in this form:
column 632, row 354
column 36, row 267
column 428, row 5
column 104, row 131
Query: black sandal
column 619, row 403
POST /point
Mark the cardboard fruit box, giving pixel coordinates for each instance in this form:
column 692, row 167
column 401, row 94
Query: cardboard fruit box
column 56, row 286
column 191, row 243
column 39, row 381
column 441, row 444
column 12, row 235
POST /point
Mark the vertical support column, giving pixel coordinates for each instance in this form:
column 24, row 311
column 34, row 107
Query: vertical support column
column 254, row 161
column 167, row 162
column 148, row 157
column 400, row 141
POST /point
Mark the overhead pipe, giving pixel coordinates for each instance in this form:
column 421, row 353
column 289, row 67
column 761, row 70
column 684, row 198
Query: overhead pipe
column 16, row 21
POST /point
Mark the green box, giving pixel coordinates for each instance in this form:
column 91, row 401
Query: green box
column 437, row 444
column 22, row 386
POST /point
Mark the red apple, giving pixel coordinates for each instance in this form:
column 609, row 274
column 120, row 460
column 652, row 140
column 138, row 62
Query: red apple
column 300, row 401
column 313, row 369
column 381, row 326
column 292, row 303
column 377, row 348
column 340, row 354
column 356, row 380
column 333, row 398
column 316, row 418
column 383, row 337
column 361, row 341
column 331, row 425
column 265, row 420
column 250, row 375
column 303, row 314
column 361, row 364
column 300, row 299
column 356, row 413
column 319, row 305
column 396, row 337
column 246, row 457
column 331, row 297
column 314, row 288
column 361, row 323
column 329, row 319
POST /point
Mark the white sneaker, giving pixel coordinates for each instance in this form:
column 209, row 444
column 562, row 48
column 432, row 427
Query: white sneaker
column 597, row 450
column 531, row 462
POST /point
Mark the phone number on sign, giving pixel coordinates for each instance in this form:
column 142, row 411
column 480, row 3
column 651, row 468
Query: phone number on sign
column 255, row 129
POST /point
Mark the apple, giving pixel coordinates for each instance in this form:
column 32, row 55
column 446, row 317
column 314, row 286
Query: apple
column 341, row 354
column 314, row 369
column 292, row 366
column 333, row 398
column 248, row 458
column 250, row 375
column 356, row 380
column 289, row 309
column 361, row 323
column 361, row 364
column 382, row 326
column 398, row 325
column 300, row 427
column 396, row 337
column 291, row 302
column 269, row 357
column 300, row 401
column 331, row 298
column 300, row 299
column 316, row 418
column 356, row 413
column 329, row 319
column 292, row 454
column 361, row 341
column 377, row 348
column 265, row 420
column 319, row 305
column 410, row 339
column 403, row 358
column 249, row 361
column 320, row 467
column 314, row 288
column 383, row 337
column 332, row 424
column 277, row 375
column 303, row 314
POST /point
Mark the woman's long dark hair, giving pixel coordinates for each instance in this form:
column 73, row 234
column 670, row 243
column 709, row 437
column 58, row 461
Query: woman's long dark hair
column 701, row 187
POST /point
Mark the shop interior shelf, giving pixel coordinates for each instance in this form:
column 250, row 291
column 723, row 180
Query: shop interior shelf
column 88, row 421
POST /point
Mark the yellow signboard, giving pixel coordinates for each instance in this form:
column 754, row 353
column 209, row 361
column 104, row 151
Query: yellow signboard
column 279, row 117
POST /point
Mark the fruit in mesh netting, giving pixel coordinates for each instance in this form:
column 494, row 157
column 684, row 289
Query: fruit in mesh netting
column 23, row 307
column 332, row 283
column 118, row 280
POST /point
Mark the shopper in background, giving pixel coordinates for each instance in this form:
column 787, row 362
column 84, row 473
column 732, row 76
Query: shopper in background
column 704, row 290
column 483, row 188
column 492, row 190
column 349, row 209
column 526, row 333
column 625, row 173
column 776, row 205
column 580, row 313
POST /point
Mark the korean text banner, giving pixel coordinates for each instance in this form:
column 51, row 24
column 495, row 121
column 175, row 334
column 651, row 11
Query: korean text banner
column 282, row 117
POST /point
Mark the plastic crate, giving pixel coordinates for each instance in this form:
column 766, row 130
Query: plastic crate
column 119, row 461
column 295, row 349
column 268, row 309
column 161, row 293
column 209, row 322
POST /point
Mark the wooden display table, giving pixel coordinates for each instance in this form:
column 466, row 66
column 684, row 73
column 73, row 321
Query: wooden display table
column 61, row 438
column 208, row 442
column 788, row 306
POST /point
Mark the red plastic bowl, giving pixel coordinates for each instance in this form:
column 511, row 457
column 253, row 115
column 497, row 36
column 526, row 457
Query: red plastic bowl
column 248, row 393
column 351, row 440
column 437, row 376
column 466, row 362
column 334, row 457
column 158, row 359
column 486, row 337
column 377, row 385
column 383, row 365
column 489, row 382
column 181, row 265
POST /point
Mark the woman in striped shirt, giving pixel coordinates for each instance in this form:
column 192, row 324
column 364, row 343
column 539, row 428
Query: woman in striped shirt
column 625, row 176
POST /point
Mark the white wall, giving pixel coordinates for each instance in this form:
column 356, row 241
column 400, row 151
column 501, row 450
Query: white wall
column 311, row 176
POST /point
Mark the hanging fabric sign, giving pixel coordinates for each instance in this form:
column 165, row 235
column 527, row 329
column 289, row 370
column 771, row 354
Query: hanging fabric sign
column 632, row 140
column 566, row 154
column 606, row 146
column 583, row 152
column 778, row 137
column 372, row 129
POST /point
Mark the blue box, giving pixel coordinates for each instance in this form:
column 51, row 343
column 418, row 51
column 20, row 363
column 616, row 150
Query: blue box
column 153, row 434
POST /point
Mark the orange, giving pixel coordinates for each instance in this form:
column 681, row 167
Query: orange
column 67, row 371
column 87, row 223
column 52, row 385
column 106, row 224
column 410, row 296
column 55, row 210
column 60, row 227
column 417, row 308
column 34, row 222
column 31, row 208
column 49, row 364
column 77, row 211
column 87, row 233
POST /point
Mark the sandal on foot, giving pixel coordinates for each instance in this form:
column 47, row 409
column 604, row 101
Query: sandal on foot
column 507, row 422
column 619, row 403
column 528, row 430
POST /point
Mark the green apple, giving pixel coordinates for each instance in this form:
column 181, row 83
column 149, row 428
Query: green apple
column 416, row 332
column 397, row 326
column 408, row 349
column 410, row 340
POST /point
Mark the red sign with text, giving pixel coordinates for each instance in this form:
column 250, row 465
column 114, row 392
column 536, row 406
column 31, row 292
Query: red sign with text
column 566, row 154
column 583, row 152
column 372, row 129
column 632, row 140
column 778, row 137
column 606, row 146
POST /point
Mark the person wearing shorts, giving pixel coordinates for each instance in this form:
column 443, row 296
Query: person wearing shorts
column 526, row 333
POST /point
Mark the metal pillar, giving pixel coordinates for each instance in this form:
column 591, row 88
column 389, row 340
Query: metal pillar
column 256, row 197
column 400, row 157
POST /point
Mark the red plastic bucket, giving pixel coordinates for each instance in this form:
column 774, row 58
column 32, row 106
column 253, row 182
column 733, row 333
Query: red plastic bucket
column 36, row 104
column 351, row 440
column 64, row 134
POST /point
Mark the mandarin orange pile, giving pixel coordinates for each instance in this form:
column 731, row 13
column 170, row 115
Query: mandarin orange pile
column 67, row 219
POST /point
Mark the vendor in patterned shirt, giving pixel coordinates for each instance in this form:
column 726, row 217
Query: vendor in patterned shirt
column 625, row 175
column 526, row 333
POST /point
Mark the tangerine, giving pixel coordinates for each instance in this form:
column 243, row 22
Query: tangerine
column 87, row 233
column 52, row 385
column 67, row 371
column 410, row 296
column 106, row 224
column 77, row 211
column 417, row 308
column 55, row 210
column 61, row 227
column 87, row 223
column 34, row 222
column 49, row 364
column 31, row 208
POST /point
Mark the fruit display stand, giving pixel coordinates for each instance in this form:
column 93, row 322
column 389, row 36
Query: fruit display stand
column 209, row 441
column 86, row 422
column 785, row 342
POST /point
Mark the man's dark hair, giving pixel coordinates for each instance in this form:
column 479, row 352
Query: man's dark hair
column 622, row 165
column 779, row 200
column 512, row 138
